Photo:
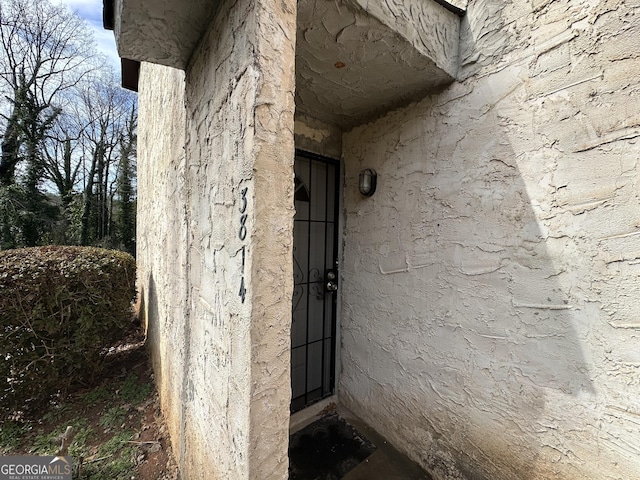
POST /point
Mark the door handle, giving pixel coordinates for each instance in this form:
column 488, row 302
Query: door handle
column 332, row 282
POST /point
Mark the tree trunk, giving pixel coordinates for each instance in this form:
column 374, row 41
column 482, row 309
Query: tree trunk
column 10, row 149
column 88, row 197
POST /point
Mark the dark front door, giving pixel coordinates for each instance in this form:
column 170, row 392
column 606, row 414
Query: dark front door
column 315, row 277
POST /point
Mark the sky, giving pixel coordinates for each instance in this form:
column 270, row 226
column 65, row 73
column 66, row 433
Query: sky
column 91, row 11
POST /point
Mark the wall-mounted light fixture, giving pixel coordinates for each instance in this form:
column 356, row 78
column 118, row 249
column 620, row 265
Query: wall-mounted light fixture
column 367, row 182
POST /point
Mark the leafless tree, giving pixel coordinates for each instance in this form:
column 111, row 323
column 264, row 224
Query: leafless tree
column 45, row 50
column 62, row 152
column 65, row 125
column 108, row 109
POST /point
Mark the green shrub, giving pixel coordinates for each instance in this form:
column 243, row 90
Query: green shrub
column 60, row 309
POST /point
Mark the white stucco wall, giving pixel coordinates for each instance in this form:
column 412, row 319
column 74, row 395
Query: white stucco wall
column 214, row 235
column 430, row 28
column 490, row 286
column 162, row 232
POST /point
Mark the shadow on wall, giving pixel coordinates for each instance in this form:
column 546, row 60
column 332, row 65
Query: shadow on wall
column 148, row 316
column 459, row 310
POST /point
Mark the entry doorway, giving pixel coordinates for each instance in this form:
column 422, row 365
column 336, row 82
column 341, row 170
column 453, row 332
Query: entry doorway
column 315, row 277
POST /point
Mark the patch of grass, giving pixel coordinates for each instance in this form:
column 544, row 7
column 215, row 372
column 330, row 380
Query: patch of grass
column 10, row 434
column 55, row 413
column 97, row 395
column 105, row 418
column 133, row 390
column 115, row 460
column 45, row 444
column 78, row 447
column 113, row 417
column 115, row 444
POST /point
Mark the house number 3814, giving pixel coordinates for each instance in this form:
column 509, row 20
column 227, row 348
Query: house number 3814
column 242, row 235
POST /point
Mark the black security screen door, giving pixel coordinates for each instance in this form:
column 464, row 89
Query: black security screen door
column 315, row 247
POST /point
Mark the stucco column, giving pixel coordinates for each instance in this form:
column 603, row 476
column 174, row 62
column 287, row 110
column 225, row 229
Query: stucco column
column 216, row 225
column 272, row 257
column 239, row 148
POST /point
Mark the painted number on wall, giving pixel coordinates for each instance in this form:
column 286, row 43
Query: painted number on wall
column 242, row 235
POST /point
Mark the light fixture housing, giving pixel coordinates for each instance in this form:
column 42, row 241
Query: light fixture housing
column 367, row 182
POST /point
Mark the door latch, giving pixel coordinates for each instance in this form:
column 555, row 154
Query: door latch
column 332, row 284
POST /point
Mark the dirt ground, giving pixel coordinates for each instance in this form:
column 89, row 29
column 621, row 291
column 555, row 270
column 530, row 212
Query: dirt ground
column 119, row 433
column 157, row 461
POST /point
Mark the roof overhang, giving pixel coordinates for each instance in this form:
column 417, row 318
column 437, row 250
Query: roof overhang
column 158, row 31
column 355, row 59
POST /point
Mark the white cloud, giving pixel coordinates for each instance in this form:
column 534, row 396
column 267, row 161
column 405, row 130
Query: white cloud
column 107, row 46
column 91, row 11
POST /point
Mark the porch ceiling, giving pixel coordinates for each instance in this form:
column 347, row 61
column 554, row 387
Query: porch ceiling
column 354, row 61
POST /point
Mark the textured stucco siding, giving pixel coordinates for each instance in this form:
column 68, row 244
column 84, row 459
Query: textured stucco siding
column 490, row 286
column 429, row 27
column 162, row 227
column 313, row 135
column 163, row 32
column 216, row 217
